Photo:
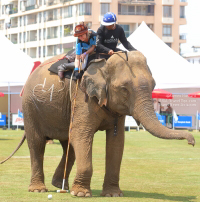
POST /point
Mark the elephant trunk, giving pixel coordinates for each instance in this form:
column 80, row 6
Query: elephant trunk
column 144, row 113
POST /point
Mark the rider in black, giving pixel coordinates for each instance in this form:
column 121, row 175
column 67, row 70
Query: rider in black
column 108, row 35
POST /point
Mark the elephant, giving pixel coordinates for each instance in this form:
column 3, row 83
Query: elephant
column 108, row 91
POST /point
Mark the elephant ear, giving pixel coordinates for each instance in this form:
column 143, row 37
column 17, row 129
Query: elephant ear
column 94, row 83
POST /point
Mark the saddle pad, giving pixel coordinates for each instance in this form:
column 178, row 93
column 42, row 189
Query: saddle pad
column 54, row 69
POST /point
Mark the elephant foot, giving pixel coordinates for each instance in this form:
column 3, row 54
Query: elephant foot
column 116, row 192
column 37, row 188
column 80, row 191
column 58, row 184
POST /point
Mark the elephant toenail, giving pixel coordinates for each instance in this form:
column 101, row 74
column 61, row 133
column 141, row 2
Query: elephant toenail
column 43, row 190
column 107, row 195
column 72, row 193
column 87, row 195
column 36, row 190
column 115, row 195
column 80, row 194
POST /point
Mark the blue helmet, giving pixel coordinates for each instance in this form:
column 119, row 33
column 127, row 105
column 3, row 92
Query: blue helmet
column 109, row 19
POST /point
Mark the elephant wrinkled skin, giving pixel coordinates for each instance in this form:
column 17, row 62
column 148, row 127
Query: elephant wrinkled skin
column 125, row 88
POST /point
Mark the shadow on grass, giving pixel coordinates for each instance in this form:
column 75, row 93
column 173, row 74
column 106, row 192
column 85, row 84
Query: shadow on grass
column 145, row 195
column 135, row 194
column 5, row 139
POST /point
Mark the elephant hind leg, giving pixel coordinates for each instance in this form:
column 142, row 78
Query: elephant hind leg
column 59, row 173
column 37, row 148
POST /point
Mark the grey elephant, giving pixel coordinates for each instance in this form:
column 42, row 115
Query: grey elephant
column 115, row 88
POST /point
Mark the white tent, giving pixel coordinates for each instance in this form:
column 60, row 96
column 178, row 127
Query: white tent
column 168, row 68
column 14, row 70
column 15, row 64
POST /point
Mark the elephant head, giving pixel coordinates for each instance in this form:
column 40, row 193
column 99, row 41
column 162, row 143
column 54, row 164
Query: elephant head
column 125, row 87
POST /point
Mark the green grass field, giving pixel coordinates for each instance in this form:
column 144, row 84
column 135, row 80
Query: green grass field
column 152, row 169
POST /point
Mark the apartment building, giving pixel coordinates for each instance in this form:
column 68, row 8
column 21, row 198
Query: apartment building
column 44, row 28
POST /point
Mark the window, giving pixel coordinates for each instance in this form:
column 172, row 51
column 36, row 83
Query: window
column 182, row 11
column 68, row 12
column 2, row 9
column 52, row 32
column 39, row 51
column 169, row 44
column 135, row 10
column 20, row 37
column 44, row 51
column 50, row 15
column 24, row 37
column 44, row 33
column 31, row 19
column 167, row 30
column 68, row 30
column 150, row 10
column 150, row 26
column 28, row 34
column 44, row 15
column 126, row 29
column 85, row 9
column 20, row 21
column 167, row 11
column 40, row 34
column 40, row 17
column 24, row 20
column 61, row 32
column 105, row 8
column 30, row 2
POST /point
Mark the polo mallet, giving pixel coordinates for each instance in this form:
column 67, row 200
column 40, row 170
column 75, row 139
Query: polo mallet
column 70, row 129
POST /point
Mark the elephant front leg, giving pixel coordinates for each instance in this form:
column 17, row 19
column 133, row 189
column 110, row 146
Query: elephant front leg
column 37, row 147
column 114, row 152
column 59, row 173
column 82, row 144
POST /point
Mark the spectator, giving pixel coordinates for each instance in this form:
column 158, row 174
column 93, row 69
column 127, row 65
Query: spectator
column 169, row 109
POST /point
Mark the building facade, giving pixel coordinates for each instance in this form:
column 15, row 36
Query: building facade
column 44, row 28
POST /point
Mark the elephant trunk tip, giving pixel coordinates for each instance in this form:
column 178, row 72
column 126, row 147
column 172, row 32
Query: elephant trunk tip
column 191, row 141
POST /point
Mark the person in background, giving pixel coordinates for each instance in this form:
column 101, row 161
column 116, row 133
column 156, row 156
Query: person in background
column 85, row 46
column 169, row 109
column 108, row 36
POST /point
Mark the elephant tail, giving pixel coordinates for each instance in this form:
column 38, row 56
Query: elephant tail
column 19, row 145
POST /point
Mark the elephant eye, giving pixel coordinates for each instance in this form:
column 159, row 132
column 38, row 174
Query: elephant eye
column 124, row 91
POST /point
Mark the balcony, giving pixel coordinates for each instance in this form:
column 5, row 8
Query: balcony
column 53, row 2
column 166, row 20
column 137, row 2
column 14, row 10
column 28, row 8
column 136, row 13
column 168, row 2
column 136, row 10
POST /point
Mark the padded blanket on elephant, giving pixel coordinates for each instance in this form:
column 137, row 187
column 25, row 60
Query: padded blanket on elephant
column 70, row 57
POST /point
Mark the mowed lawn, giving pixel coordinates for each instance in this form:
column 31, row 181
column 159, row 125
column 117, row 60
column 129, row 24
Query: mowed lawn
column 152, row 169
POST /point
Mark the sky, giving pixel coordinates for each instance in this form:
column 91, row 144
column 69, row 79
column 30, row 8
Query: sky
column 192, row 29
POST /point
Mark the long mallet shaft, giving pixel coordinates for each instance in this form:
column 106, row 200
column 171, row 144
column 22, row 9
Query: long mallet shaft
column 70, row 128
